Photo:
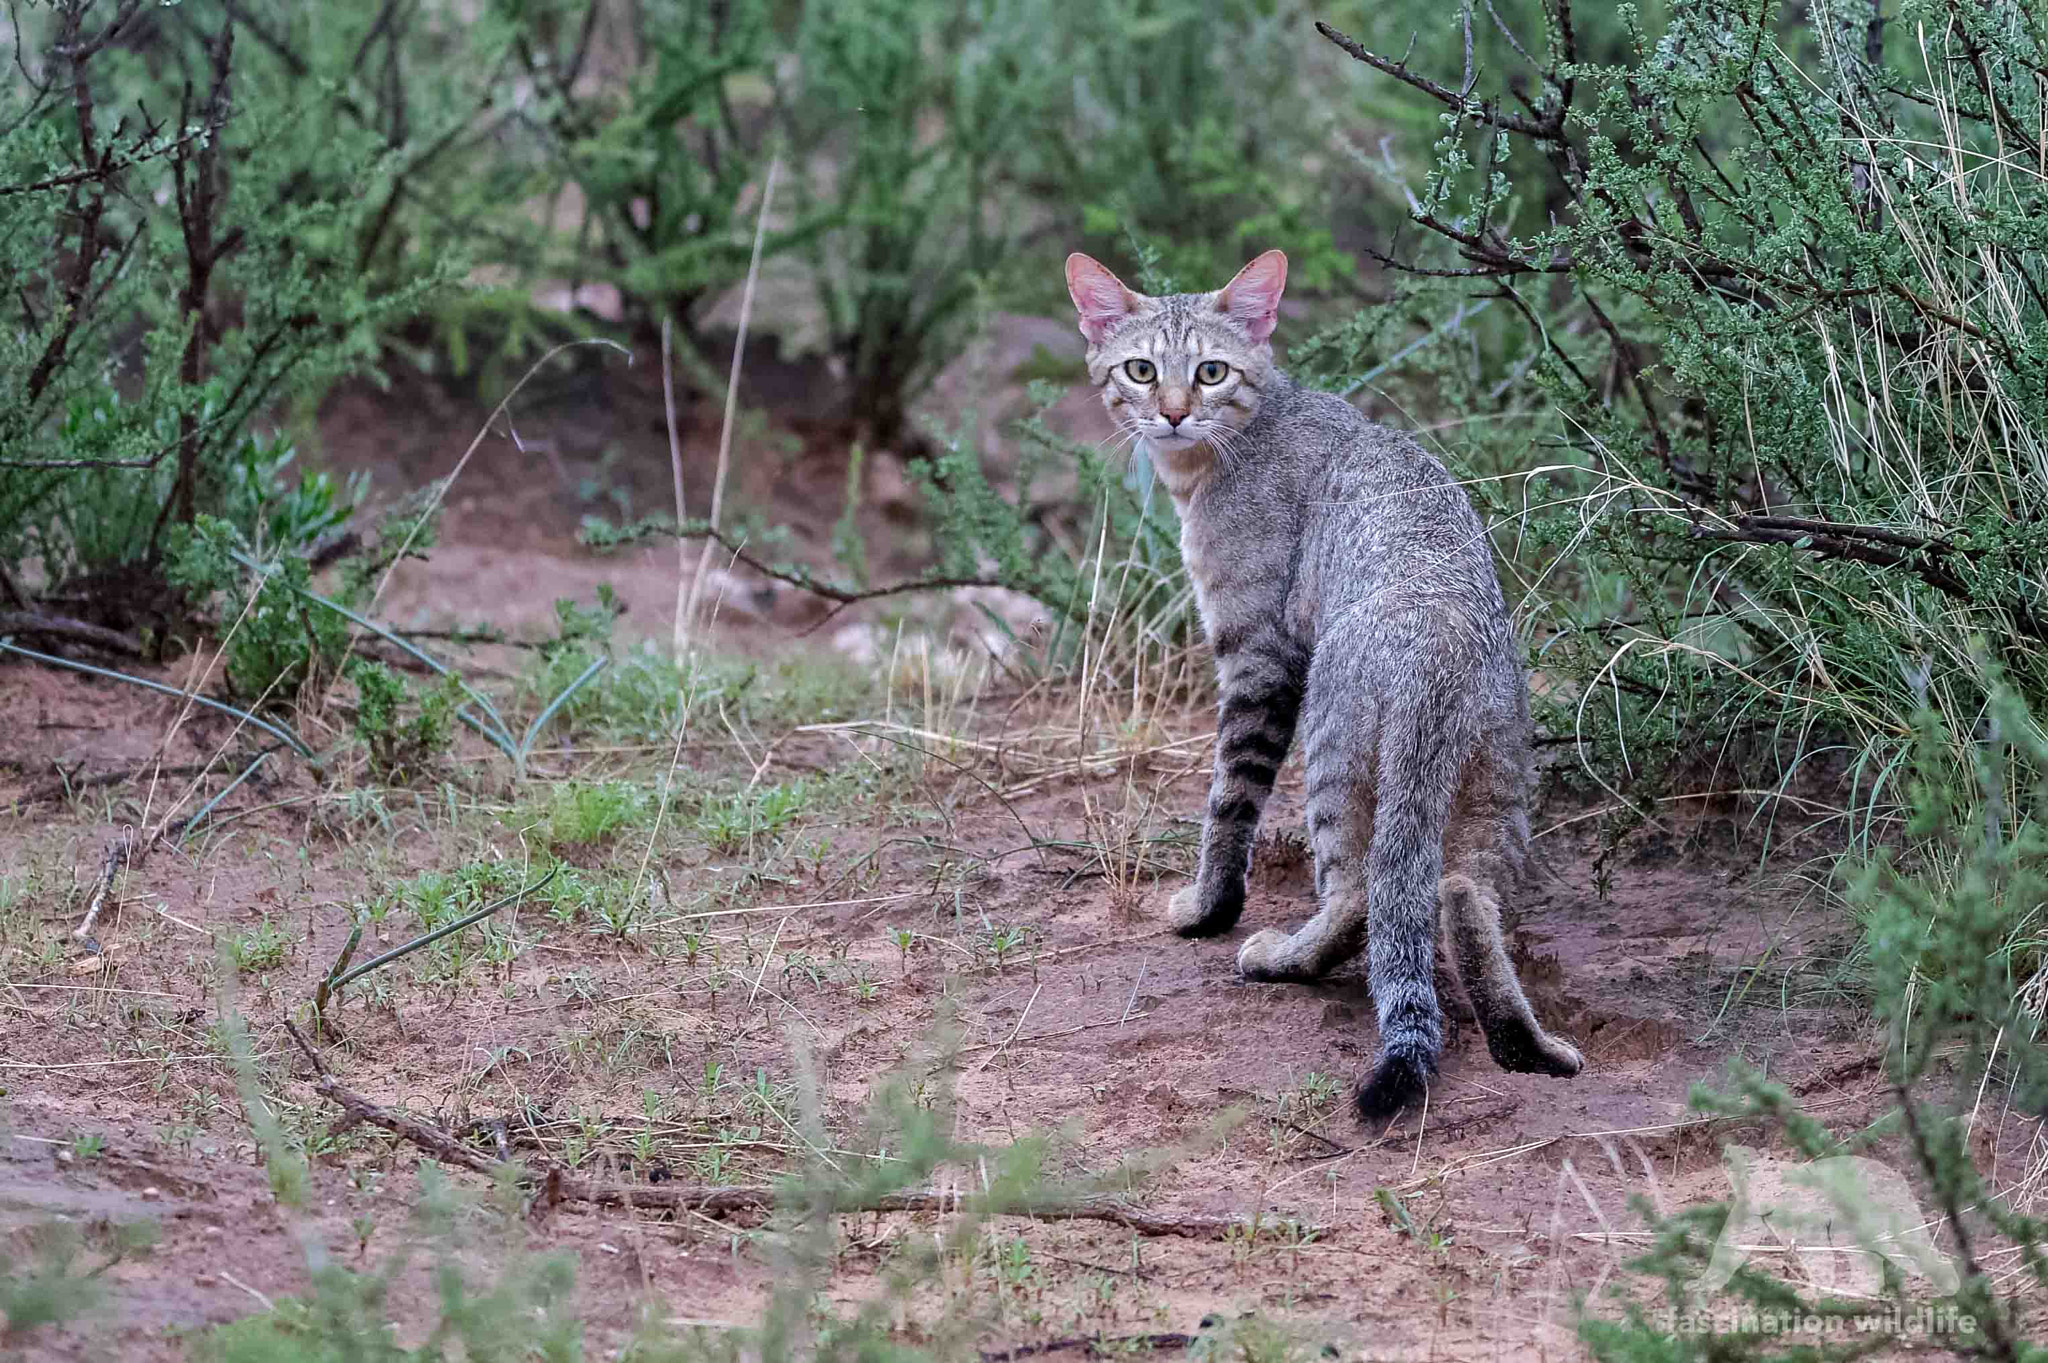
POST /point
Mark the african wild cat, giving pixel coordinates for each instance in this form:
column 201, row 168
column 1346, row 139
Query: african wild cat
column 1348, row 590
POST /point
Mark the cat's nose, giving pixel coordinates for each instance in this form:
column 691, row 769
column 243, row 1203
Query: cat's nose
column 1174, row 419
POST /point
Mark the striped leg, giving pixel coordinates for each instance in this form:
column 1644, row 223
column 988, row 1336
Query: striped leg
column 1340, row 748
column 1261, row 700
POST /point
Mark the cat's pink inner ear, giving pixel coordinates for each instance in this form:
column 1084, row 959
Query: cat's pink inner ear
column 1099, row 296
column 1253, row 298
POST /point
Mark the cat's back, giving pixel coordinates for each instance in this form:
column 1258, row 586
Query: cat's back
column 1378, row 473
column 1383, row 525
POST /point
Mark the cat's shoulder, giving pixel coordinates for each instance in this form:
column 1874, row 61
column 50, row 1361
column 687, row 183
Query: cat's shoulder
column 1321, row 418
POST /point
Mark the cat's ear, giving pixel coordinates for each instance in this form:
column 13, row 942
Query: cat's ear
column 1099, row 296
column 1252, row 299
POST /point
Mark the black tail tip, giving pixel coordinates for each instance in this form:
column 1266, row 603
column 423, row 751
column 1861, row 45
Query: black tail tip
column 1396, row 1083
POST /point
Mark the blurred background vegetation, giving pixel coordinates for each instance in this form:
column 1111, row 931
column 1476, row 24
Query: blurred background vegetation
column 1736, row 317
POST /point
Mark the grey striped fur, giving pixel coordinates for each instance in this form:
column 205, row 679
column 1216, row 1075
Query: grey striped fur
column 1349, row 592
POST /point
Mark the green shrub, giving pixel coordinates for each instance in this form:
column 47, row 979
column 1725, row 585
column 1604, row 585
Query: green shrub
column 277, row 641
column 913, row 118
column 201, row 262
column 399, row 745
column 1786, row 308
column 659, row 132
column 1140, row 142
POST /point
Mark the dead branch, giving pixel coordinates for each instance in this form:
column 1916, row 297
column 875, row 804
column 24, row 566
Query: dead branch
column 1548, row 129
column 1924, row 557
column 69, row 784
column 64, row 627
column 1093, row 1343
column 117, row 855
column 557, row 1186
column 797, row 577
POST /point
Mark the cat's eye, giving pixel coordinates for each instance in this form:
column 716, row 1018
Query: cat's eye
column 1141, row 371
column 1211, row 372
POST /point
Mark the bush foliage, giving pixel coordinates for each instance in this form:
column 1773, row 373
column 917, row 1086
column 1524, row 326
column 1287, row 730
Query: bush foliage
column 1772, row 283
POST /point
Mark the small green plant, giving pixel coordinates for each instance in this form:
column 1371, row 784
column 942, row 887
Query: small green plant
column 580, row 813
column 523, row 1309
column 89, row 1146
column 1005, row 940
column 262, row 947
column 44, row 1277
column 279, row 642
column 1311, row 1098
column 617, row 909
column 730, row 823
column 398, row 745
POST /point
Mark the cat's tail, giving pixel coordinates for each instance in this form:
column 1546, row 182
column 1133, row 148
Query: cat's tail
column 1419, row 760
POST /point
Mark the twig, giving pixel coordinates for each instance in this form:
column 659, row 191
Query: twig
column 1551, row 129
column 1064, row 1031
column 108, row 167
column 732, row 397
column 1334, row 1147
column 264, row 1301
column 766, row 957
column 793, row 575
column 675, row 463
column 1132, row 1002
column 1021, row 1019
column 64, row 627
column 1099, row 1343
column 1976, row 1282
column 557, row 1186
column 67, row 785
column 1922, row 557
column 116, row 857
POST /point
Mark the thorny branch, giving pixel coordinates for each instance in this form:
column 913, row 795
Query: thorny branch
column 556, row 1186
column 802, row 578
column 1877, row 546
column 1640, row 244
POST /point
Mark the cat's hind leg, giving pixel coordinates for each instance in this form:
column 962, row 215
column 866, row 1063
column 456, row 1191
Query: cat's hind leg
column 1484, row 851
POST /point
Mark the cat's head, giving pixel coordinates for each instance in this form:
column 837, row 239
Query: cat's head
column 1186, row 368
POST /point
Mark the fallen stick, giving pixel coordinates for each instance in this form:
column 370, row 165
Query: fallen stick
column 1093, row 1343
column 64, row 787
column 557, row 1186
column 110, row 866
column 36, row 623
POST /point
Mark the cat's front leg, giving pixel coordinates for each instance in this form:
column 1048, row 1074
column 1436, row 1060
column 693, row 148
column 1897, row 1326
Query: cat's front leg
column 1261, row 701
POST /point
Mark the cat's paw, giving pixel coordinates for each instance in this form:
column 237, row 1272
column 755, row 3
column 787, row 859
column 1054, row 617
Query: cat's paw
column 1561, row 1059
column 1193, row 914
column 1266, row 955
column 1524, row 1047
